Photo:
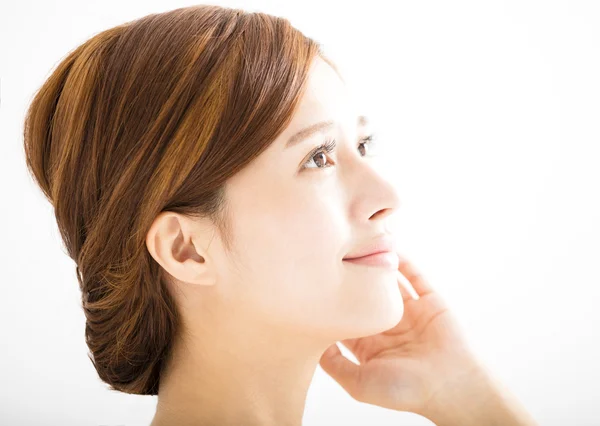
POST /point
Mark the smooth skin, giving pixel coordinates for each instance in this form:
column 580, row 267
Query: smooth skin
column 424, row 365
column 401, row 368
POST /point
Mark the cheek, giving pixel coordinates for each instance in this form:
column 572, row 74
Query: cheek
column 292, row 251
column 292, row 274
column 315, row 229
column 289, row 270
column 301, row 239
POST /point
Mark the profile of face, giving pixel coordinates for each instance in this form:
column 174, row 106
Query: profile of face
column 294, row 215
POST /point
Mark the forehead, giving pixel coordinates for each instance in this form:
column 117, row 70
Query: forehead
column 326, row 97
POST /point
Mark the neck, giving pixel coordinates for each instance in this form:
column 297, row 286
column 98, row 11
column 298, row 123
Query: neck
column 236, row 375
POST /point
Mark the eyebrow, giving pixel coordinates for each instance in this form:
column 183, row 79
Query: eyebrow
column 321, row 126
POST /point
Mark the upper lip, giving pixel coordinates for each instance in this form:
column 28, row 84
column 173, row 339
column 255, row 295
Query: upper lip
column 381, row 244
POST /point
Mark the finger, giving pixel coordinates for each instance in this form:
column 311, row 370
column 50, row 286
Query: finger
column 355, row 346
column 351, row 343
column 414, row 277
column 406, row 289
column 341, row 369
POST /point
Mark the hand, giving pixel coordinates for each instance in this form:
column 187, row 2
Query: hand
column 405, row 367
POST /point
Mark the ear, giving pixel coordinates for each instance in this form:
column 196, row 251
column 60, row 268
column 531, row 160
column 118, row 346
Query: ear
column 178, row 250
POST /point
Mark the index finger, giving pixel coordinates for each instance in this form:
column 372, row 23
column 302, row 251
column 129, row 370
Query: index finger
column 414, row 277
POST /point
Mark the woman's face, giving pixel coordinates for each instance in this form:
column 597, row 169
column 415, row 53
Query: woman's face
column 295, row 216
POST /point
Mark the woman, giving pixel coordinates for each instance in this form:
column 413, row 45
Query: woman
column 211, row 178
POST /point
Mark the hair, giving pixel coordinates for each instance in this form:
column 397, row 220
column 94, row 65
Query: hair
column 154, row 115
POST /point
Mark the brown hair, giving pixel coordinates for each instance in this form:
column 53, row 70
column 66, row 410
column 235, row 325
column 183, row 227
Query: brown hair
column 154, row 115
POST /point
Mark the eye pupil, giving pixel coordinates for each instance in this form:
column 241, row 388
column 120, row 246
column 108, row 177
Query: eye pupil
column 363, row 146
column 321, row 155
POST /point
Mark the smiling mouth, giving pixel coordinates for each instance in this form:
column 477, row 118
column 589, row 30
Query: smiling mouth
column 388, row 259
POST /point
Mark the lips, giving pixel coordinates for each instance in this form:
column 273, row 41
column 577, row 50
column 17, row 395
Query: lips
column 386, row 259
column 381, row 244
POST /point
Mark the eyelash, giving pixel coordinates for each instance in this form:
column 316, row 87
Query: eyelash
column 328, row 147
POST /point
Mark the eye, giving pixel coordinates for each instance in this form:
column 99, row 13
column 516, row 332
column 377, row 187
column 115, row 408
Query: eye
column 328, row 147
column 319, row 152
column 368, row 141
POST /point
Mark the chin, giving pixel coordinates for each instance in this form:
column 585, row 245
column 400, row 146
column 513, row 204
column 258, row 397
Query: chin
column 379, row 315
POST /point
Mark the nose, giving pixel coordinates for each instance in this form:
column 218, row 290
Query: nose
column 375, row 197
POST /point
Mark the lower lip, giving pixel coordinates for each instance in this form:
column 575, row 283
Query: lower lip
column 387, row 259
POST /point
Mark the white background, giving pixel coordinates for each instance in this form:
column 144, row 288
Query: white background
column 491, row 110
